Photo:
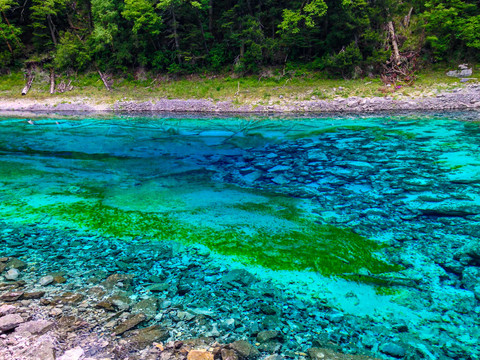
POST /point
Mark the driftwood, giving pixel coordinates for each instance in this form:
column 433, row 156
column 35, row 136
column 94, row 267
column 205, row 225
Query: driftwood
column 63, row 87
column 29, row 83
column 52, row 81
column 401, row 66
column 104, row 79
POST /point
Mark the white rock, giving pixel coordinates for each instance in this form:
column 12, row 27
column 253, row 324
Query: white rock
column 72, row 354
column 12, row 274
column 46, row 280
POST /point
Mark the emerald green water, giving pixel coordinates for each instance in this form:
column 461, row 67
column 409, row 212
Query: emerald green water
column 381, row 203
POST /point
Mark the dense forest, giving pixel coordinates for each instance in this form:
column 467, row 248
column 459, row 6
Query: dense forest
column 341, row 37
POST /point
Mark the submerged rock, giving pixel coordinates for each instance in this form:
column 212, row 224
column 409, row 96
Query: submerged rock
column 147, row 307
column 245, row 350
column 14, row 263
column 130, row 323
column 46, row 280
column 119, row 280
column 33, row 295
column 449, row 208
column 11, row 296
column 267, row 335
column 240, row 277
column 393, row 349
column 142, row 338
column 328, row 354
column 228, row 354
column 12, row 274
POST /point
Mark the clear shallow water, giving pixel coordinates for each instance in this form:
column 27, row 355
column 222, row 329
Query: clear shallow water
column 375, row 217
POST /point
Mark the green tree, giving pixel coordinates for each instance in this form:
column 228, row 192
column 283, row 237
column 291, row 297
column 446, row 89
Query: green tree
column 306, row 15
column 9, row 34
column 43, row 16
column 71, row 52
column 453, row 27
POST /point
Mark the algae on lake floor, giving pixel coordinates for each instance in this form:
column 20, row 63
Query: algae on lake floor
column 322, row 248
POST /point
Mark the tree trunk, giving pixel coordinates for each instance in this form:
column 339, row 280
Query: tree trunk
column 406, row 21
column 210, row 16
column 90, row 17
column 6, row 41
column 201, row 30
column 52, row 81
column 11, row 30
column 51, row 26
column 29, row 83
column 175, row 37
column 396, row 53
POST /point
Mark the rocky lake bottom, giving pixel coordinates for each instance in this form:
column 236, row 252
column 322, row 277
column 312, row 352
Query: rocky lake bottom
column 240, row 238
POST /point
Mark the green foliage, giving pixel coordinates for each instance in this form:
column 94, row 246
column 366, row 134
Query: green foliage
column 7, row 4
column 343, row 63
column 307, row 15
column 71, row 52
column 42, row 16
column 106, row 28
column 142, row 14
column 194, row 36
column 452, row 25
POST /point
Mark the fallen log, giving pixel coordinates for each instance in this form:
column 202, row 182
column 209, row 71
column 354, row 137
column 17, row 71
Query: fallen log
column 63, row 87
column 29, row 83
column 102, row 76
column 52, row 81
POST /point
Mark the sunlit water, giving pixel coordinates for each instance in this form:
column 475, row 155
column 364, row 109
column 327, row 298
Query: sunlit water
column 374, row 219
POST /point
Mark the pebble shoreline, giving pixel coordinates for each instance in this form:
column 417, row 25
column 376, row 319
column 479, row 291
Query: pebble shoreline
column 464, row 98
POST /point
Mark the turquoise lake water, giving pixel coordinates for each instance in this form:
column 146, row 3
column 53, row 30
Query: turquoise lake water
column 365, row 229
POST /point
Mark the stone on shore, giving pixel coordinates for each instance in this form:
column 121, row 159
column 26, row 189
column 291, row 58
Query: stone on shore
column 35, row 327
column 43, row 349
column 9, row 322
column 73, row 354
column 199, row 355
column 7, row 309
